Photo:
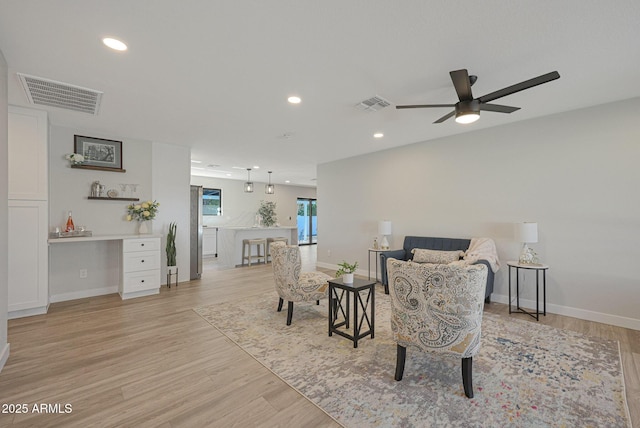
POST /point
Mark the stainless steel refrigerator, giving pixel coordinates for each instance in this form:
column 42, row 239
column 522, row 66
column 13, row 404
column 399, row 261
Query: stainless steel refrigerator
column 196, row 232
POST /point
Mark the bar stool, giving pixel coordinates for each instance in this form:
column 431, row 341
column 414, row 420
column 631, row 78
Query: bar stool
column 247, row 244
column 272, row 240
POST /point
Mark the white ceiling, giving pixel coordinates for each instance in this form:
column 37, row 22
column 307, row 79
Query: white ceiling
column 215, row 75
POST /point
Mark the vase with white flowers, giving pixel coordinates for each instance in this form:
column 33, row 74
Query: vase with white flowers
column 75, row 158
column 142, row 213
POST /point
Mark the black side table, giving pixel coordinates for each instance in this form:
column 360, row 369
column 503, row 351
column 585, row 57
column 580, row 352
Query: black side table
column 339, row 310
column 537, row 268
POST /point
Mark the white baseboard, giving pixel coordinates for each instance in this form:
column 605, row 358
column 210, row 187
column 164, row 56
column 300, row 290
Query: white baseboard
column 21, row 313
column 63, row 297
column 361, row 272
column 568, row 311
column 4, row 356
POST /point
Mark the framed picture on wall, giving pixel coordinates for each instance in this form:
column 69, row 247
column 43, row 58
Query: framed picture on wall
column 99, row 152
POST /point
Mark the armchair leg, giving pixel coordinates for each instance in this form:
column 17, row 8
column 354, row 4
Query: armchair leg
column 317, row 302
column 467, row 374
column 280, row 302
column 400, row 357
column 289, row 312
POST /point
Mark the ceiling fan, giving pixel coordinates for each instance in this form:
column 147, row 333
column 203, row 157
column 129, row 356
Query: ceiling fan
column 467, row 110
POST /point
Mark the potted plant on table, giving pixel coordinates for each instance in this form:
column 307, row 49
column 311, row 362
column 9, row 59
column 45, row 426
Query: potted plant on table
column 346, row 271
column 171, row 249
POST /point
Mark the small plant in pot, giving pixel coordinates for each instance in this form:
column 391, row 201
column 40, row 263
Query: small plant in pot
column 346, row 271
column 171, row 248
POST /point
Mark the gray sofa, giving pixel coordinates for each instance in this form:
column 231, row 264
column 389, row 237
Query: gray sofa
column 441, row 244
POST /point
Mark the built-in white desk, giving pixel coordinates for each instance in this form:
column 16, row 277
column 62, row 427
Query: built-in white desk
column 230, row 240
column 139, row 260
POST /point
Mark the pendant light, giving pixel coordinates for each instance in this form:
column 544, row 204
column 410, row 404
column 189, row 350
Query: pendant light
column 248, row 186
column 269, row 189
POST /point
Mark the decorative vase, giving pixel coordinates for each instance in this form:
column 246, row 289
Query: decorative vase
column 347, row 278
column 143, row 228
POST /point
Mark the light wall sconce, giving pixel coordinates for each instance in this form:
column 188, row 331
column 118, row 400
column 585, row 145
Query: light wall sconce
column 248, row 186
column 384, row 229
column 269, row 189
column 527, row 233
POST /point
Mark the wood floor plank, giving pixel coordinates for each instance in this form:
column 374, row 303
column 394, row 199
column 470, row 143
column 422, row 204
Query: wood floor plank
column 154, row 362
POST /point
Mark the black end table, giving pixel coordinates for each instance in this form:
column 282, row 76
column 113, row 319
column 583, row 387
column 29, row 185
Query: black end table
column 339, row 310
column 537, row 268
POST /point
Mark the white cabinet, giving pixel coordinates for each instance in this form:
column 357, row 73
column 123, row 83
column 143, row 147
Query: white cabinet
column 140, row 267
column 28, row 217
column 28, row 258
column 28, row 163
column 209, row 242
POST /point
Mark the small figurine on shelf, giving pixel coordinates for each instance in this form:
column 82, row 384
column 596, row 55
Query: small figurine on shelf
column 375, row 243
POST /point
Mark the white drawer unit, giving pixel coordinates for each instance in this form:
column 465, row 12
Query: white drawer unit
column 140, row 267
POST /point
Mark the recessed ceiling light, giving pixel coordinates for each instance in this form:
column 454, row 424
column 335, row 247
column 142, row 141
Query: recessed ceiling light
column 294, row 100
column 378, row 135
column 287, row 181
column 195, row 161
column 256, row 167
column 114, row 44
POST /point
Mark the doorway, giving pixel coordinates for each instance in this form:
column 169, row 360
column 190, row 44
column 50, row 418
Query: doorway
column 307, row 221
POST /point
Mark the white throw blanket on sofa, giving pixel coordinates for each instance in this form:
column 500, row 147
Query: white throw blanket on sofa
column 483, row 248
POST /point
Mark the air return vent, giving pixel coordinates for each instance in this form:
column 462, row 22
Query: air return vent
column 373, row 104
column 62, row 95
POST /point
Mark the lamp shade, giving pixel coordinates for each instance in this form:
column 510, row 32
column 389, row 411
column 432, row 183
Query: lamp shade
column 526, row 232
column 384, row 227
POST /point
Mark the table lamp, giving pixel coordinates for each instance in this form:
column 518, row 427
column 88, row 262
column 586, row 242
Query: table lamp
column 384, row 229
column 527, row 233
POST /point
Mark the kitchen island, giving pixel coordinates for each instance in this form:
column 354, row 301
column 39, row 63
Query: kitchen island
column 230, row 240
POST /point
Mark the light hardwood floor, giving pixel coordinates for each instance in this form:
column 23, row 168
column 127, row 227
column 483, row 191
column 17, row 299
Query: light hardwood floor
column 154, row 362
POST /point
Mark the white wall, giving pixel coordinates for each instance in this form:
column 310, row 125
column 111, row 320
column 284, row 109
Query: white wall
column 4, row 186
column 170, row 177
column 239, row 208
column 68, row 190
column 575, row 173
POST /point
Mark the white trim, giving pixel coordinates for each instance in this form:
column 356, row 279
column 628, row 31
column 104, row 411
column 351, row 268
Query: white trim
column 142, row 293
column 4, row 356
column 361, row 272
column 21, row 313
column 83, row 294
column 582, row 314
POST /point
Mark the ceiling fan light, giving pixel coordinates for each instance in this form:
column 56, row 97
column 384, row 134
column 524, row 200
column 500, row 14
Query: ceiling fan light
column 466, row 118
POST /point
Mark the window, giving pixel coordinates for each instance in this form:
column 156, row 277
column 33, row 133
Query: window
column 211, row 201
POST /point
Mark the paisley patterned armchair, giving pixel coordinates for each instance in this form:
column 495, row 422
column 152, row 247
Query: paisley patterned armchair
column 437, row 308
column 293, row 285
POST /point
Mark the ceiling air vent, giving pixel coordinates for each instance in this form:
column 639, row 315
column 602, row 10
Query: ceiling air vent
column 62, row 95
column 373, row 104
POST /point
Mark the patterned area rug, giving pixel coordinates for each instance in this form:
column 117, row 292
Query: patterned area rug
column 526, row 374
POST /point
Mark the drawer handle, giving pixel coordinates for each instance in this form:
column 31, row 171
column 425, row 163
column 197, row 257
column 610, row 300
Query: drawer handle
column 142, row 280
column 142, row 245
column 142, row 261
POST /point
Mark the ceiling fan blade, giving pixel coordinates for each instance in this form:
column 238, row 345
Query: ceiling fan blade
column 462, row 83
column 520, row 87
column 498, row 108
column 445, row 117
column 426, row 106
